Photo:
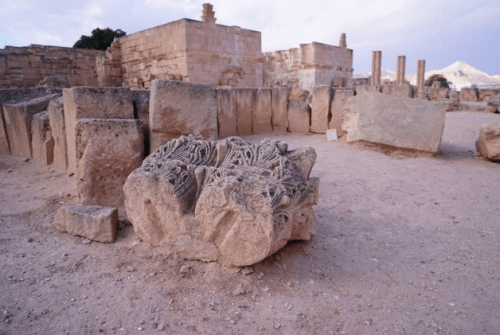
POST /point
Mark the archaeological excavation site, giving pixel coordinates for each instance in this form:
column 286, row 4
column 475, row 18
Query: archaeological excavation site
column 185, row 182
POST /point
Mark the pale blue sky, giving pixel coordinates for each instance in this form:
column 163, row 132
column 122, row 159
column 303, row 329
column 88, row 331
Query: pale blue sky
column 439, row 31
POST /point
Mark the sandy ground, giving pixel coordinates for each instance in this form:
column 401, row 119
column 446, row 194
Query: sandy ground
column 404, row 246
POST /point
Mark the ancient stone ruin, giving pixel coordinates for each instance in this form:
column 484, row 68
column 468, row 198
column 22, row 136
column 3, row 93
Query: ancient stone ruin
column 226, row 200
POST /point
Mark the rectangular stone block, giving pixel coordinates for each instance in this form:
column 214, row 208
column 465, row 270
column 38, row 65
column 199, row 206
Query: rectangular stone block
column 96, row 223
column 360, row 89
column 402, row 91
column 42, row 142
column 58, row 129
column 298, row 116
column 280, row 108
column 18, row 118
column 179, row 108
column 469, row 95
column 107, row 151
column 226, row 112
column 262, row 112
column 337, row 114
column 411, row 126
column 94, row 103
column 320, row 109
column 245, row 98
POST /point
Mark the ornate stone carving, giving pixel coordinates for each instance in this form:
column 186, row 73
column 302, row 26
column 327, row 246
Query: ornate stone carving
column 208, row 13
column 244, row 200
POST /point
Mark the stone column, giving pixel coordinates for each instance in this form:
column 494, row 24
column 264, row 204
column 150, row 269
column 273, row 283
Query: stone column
column 376, row 67
column 401, row 70
column 420, row 75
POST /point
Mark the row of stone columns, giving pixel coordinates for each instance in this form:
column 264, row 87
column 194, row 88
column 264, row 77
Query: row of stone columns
column 400, row 79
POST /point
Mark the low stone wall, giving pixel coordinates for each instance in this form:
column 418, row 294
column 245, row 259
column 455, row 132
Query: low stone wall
column 28, row 66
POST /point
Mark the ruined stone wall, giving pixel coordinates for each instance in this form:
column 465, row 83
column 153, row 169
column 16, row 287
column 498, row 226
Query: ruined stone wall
column 186, row 50
column 27, row 66
column 313, row 64
column 223, row 56
column 159, row 52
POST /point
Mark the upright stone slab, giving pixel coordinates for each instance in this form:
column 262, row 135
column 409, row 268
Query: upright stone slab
column 226, row 112
column 4, row 140
column 245, row 98
column 93, row 103
column 414, row 126
column 18, row 118
column 495, row 102
column 360, row 89
column 402, row 91
column 141, row 101
column 180, row 108
column 337, row 112
column 96, row 223
column 298, row 116
column 488, row 143
column 280, row 108
column 58, row 129
column 320, row 109
column 107, row 151
column 42, row 142
column 262, row 112
column 228, row 201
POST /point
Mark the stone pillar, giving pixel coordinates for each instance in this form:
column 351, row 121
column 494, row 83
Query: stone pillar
column 420, row 75
column 401, row 70
column 376, row 67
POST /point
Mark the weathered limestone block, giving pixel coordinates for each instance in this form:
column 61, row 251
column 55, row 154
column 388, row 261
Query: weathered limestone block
column 179, row 108
column 488, row 143
column 402, row 91
column 360, row 89
column 469, row 95
column 482, row 107
column 337, row 117
column 298, row 94
column 280, row 108
column 228, row 200
column 58, row 129
column 438, row 93
column 298, row 116
column 262, row 112
column 42, row 142
column 55, row 81
column 245, row 98
column 93, row 103
column 320, row 109
column 140, row 101
column 495, row 102
column 18, row 118
column 107, row 151
column 414, row 126
column 226, row 112
column 96, row 223
column 449, row 104
column 486, row 95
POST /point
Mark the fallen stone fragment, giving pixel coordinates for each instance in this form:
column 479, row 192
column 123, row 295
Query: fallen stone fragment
column 482, row 107
column 228, row 201
column 495, row 102
column 488, row 143
column 412, row 126
column 96, row 223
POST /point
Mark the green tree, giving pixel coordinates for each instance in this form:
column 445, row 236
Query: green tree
column 101, row 39
column 437, row 77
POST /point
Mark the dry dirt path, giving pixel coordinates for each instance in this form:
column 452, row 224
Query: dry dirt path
column 404, row 246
